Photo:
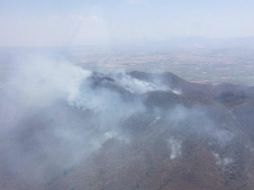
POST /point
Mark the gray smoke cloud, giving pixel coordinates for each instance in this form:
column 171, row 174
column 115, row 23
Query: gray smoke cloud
column 55, row 115
column 51, row 118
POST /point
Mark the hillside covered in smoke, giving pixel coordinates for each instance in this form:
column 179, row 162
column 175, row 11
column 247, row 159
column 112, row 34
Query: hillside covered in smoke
column 67, row 128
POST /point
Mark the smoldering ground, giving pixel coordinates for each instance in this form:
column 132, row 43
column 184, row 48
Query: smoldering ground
column 65, row 127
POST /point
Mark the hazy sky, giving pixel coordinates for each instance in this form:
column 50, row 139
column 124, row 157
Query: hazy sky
column 83, row 22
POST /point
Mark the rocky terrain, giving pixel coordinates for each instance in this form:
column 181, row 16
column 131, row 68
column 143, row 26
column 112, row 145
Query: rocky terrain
column 130, row 131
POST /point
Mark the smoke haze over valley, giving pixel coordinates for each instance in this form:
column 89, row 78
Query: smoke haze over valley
column 64, row 126
column 126, row 95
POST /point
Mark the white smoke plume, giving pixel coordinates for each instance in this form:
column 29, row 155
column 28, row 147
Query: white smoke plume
column 55, row 115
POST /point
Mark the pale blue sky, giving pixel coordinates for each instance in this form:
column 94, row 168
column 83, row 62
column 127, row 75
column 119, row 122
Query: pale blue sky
column 83, row 22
